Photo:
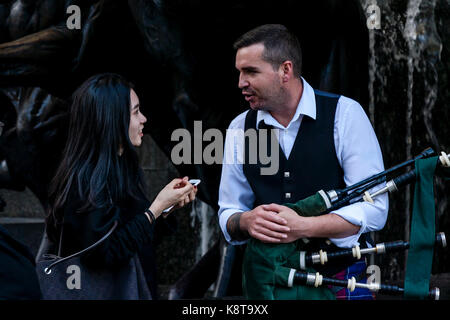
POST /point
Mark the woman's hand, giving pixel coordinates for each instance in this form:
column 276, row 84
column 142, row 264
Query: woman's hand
column 177, row 193
column 189, row 198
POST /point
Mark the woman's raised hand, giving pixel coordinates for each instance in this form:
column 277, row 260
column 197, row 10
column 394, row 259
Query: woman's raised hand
column 177, row 193
column 188, row 198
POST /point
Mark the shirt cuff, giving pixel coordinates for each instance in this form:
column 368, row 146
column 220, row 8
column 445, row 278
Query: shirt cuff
column 355, row 215
column 223, row 219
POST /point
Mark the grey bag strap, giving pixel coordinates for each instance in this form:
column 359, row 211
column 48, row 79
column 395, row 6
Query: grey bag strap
column 60, row 239
column 48, row 270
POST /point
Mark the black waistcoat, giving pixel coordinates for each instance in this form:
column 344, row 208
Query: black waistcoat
column 312, row 166
column 312, row 163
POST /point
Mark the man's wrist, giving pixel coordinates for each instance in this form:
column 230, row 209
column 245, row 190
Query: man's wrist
column 302, row 227
column 235, row 228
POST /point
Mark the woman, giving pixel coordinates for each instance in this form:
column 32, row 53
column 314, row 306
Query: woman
column 99, row 180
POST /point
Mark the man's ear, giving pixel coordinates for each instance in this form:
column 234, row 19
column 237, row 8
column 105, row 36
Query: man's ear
column 286, row 70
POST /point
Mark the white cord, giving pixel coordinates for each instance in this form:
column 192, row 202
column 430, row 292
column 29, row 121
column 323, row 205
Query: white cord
column 323, row 257
column 367, row 197
column 319, row 279
column 291, row 278
column 351, row 284
column 302, row 260
column 444, row 159
column 356, row 252
column 325, row 198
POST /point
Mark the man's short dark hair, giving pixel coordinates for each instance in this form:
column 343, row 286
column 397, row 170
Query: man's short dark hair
column 279, row 45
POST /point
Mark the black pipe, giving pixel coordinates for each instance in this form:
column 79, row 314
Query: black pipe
column 302, row 279
column 392, row 246
column 424, row 154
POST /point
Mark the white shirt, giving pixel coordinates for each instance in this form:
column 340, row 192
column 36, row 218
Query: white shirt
column 357, row 151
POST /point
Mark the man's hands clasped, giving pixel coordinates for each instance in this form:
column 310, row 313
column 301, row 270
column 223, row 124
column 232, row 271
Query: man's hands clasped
column 273, row 223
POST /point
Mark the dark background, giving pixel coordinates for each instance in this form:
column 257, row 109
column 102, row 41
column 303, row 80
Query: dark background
column 183, row 69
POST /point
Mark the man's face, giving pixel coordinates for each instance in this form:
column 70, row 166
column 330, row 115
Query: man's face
column 259, row 82
column 137, row 120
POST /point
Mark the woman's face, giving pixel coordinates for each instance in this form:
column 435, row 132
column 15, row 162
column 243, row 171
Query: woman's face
column 137, row 120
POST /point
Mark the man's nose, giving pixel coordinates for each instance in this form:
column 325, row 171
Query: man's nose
column 144, row 119
column 243, row 82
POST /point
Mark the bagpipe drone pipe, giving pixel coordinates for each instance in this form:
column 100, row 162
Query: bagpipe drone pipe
column 290, row 271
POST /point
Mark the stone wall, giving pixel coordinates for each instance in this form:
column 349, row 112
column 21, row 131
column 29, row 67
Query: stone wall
column 408, row 106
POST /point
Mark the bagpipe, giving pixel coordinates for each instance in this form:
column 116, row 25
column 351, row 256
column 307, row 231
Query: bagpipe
column 270, row 271
column 322, row 257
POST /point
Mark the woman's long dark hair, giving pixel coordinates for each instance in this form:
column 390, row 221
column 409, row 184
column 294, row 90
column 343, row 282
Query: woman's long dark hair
column 98, row 126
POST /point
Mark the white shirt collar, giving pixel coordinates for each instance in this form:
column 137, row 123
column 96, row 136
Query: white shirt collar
column 306, row 106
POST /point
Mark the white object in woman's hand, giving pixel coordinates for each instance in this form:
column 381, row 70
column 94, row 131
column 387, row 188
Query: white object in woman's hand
column 173, row 193
column 194, row 182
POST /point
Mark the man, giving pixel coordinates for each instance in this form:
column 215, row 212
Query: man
column 326, row 142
